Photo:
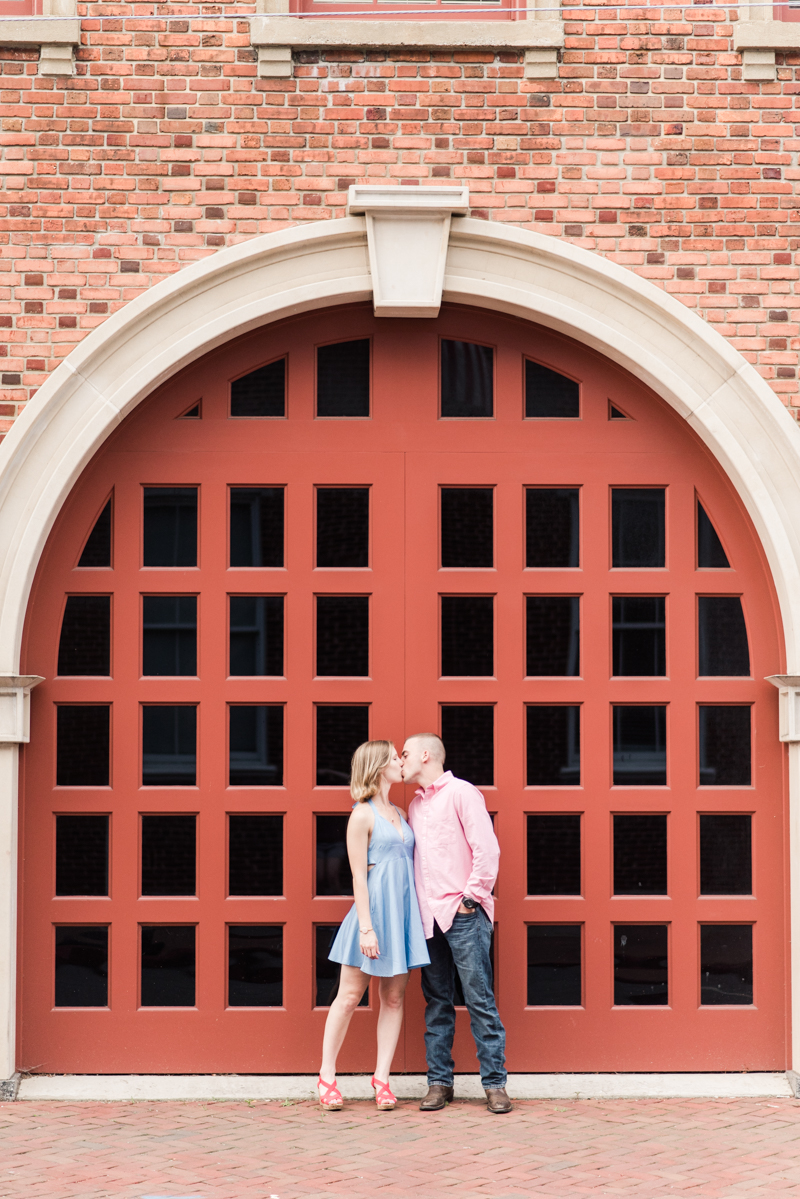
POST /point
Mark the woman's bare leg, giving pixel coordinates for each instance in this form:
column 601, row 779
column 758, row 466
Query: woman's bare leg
column 390, row 1021
column 351, row 987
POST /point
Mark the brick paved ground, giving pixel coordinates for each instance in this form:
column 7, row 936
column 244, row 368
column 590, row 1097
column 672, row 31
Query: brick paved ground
column 641, row 1148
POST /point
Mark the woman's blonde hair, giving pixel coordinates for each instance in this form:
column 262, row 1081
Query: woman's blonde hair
column 369, row 762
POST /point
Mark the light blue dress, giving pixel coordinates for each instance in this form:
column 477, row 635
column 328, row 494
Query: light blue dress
column 393, row 907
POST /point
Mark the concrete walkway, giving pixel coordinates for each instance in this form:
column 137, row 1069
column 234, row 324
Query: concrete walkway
column 645, row 1149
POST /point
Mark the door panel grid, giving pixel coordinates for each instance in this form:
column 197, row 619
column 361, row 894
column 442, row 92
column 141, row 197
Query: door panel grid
column 477, row 548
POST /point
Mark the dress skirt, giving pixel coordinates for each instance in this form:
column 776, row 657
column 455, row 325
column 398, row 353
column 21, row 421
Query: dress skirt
column 394, row 914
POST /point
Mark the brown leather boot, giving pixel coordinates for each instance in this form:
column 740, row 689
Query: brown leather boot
column 498, row 1101
column 437, row 1098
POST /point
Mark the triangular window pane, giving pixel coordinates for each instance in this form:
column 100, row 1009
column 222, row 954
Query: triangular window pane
column 193, row 413
column 710, row 553
column 615, row 413
column 262, row 392
column 97, row 551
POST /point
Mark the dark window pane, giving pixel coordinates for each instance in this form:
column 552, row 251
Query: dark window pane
column 81, row 966
column 640, row 745
column 467, row 379
column 724, row 745
column 81, row 855
column 169, row 745
column 549, row 394
column 257, row 526
column 169, row 855
column 467, row 635
column 343, row 635
column 256, row 745
column 343, row 379
column 170, row 526
column 85, row 643
column 554, row 965
column 255, row 847
column 637, row 526
column 722, row 636
column 97, row 551
column 327, row 972
column 551, row 527
column 640, row 855
column 554, row 745
column 468, row 735
column 255, row 965
column 169, row 634
column 640, row 964
column 553, row 635
column 615, row 413
column 193, row 413
column 256, row 634
column 82, row 745
column 639, row 635
column 343, row 527
column 334, row 876
column 710, row 553
column 726, row 860
column 467, row 527
column 262, row 392
column 168, row 965
column 340, row 731
column 726, row 963
column 554, row 854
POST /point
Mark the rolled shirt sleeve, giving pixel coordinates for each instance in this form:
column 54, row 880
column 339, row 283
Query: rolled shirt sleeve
column 479, row 833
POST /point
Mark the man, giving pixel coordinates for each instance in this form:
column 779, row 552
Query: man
column 455, row 867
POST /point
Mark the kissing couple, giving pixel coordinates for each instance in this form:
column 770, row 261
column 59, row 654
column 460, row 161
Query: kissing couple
column 423, row 898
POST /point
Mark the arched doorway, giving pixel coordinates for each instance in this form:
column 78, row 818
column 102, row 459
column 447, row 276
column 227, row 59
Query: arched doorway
column 335, row 527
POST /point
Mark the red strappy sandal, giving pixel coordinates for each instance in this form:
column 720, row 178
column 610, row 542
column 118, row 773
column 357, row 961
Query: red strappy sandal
column 332, row 1099
column 384, row 1098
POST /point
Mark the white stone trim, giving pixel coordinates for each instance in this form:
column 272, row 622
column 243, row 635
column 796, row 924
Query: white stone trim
column 275, row 62
column 15, row 707
column 274, row 31
column 541, row 64
column 82, row 1088
column 407, row 234
column 57, row 36
column 788, row 705
column 501, row 268
column 759, row 65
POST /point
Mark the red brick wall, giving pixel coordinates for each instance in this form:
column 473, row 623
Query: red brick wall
column 165, row 146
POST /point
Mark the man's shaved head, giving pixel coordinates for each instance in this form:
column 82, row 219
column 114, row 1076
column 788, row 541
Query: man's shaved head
column 432, row 742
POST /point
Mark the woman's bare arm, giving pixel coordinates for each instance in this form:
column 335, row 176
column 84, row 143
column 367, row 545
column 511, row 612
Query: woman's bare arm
column 359, row 828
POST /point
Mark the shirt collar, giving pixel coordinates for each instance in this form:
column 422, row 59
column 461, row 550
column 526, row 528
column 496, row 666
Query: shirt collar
column 432, row 788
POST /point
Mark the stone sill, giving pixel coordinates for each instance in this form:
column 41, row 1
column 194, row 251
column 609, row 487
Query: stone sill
column 757, row 42
column 56, row 38
column 275, row 36
column 766, row 35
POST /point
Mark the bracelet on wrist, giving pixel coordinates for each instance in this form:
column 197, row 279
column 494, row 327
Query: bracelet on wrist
column 364, row 931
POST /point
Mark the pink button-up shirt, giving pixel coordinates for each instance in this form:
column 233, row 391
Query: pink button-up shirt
column 456, row 851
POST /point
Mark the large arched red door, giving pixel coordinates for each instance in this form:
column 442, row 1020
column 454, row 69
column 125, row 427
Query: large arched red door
column 340, row 527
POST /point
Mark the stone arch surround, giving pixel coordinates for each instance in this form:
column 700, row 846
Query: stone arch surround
column 504, row 269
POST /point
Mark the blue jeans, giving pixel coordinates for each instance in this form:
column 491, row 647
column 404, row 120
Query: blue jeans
column 465, row 948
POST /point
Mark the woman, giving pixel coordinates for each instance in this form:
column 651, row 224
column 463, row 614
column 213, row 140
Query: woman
column 382, row 933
